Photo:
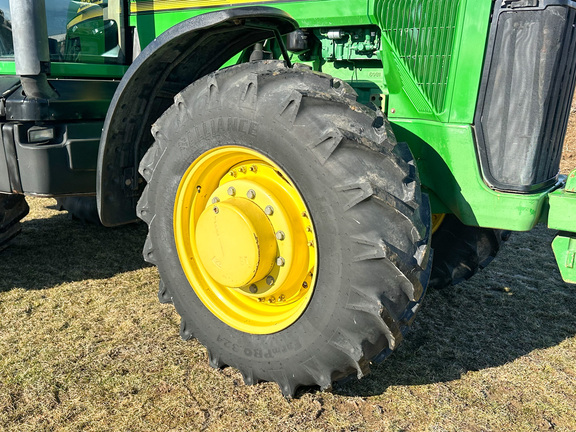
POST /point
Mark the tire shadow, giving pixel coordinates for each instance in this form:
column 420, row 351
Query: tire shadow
column 56, row 250
column 518, row 304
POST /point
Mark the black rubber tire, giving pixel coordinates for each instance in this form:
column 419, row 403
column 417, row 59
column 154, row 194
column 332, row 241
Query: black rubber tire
column 460, row 251
column 363, row 193
column 12, row 209
column 82, row 208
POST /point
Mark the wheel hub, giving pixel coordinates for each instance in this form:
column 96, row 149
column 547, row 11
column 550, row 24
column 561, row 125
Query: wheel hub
column 245, row 240
column 236, row 242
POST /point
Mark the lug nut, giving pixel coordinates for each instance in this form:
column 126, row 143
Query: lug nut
column 280, row 235
column 253, row 289
column 304, row 284
column 251, row 194
column 242, row 169
column 269, row 210
column 232, row 173
column 270, row 280
column 280, row 261
column 253, row 168
column 231, row 191
column 215, row 200
column 216, row 210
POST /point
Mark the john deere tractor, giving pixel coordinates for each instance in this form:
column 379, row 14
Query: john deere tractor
column 298, row 163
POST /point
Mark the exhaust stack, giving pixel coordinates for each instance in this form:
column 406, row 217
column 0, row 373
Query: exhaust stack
column 31, row 52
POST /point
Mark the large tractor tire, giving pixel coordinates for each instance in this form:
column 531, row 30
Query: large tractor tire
column 460, row 251
column 82, row 208
column 287, row 225
column 12, row 209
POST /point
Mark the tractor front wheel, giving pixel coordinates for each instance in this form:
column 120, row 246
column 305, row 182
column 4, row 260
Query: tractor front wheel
column 287, row 225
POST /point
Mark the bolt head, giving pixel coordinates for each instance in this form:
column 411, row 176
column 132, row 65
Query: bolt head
column 251, row 194
column 242, row 169
column 253, row 168
column 216, row 210
column 231, row 191
column 270, row 280
column 215, row 200
column 304, row 284
column 253, row 289
column 280, row 261
column 280, row 235
column 269, row 210
column 232, row 173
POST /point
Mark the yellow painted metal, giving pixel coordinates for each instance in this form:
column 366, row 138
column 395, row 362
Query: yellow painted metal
column 437, row 219
column 235, row 242
column 245, row 239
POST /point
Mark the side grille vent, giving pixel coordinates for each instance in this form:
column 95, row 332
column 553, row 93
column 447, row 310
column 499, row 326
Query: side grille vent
column 422, row 33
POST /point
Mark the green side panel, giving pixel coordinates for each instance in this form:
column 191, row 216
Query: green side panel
column 433, row 53
column 73, row 70
column 562, row 213
column 446, row 159
column 325, row 13
column 565, row 253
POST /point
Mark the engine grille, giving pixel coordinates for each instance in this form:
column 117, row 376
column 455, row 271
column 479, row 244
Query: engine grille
column 525, row 99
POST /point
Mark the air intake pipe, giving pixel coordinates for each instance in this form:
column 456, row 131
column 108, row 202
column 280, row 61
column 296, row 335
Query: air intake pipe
column 31, row 52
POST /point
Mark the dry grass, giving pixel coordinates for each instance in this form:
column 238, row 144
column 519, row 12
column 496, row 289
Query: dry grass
column 84, row 345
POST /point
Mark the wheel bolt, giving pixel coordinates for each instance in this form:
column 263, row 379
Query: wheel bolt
column 231, row 191
column 270, row 280
column 215, row 200
column 232, row 173
column 251, row 194
column 304, row 284
column 269, row 210
column 216, row 210
column 280, row 235
column 242, row 169
column 253, row 168
column 253, row 289
column 280, row 261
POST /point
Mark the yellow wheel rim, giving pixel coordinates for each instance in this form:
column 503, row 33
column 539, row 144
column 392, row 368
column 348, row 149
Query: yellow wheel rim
column 245, row 240
column 437, row 219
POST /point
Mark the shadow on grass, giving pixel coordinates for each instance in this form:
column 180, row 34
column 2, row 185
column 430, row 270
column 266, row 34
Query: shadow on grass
column 57, row 250
column 517, row 305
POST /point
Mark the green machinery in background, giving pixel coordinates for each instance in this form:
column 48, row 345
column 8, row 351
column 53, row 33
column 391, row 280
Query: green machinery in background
column 296, row 161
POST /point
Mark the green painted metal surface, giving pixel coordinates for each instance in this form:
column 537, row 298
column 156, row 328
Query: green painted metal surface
column 565, row 252
column 446, row 159
column 562, row 213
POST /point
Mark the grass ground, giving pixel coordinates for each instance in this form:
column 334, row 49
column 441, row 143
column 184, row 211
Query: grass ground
column 85, row 345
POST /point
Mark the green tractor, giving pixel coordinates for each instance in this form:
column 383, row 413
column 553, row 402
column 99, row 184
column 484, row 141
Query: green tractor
column 298, row 163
